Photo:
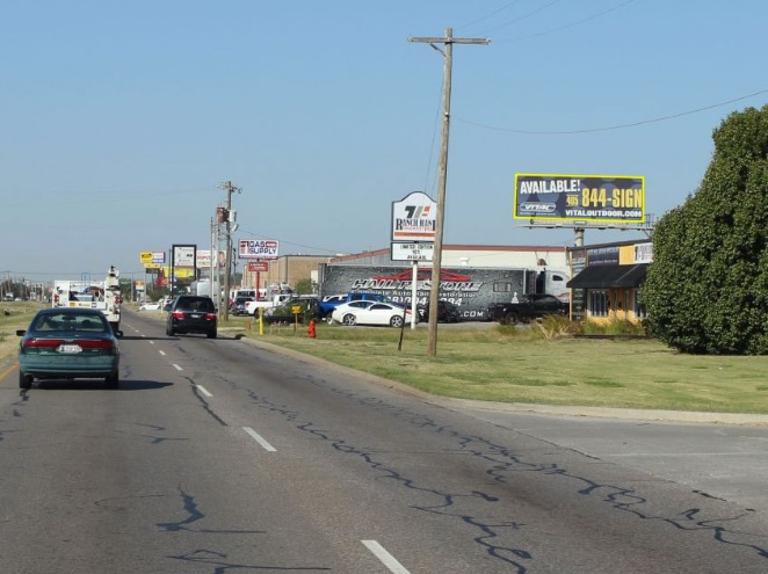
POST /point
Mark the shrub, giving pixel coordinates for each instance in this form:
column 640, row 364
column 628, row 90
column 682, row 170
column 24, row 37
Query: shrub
column 557, row 326
column 614, row 327
column 707, row 289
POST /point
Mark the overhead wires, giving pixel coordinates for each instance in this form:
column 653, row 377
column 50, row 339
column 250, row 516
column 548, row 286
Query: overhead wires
column 565, row 26
column 612, row 127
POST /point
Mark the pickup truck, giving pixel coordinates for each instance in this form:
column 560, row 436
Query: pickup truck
column 252, row 307
column 528, row 307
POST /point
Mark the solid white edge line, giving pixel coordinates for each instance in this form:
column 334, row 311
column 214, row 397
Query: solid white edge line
column 385, row 557
column 259, row 439
column 178, row 368
column 161, row 352
column 204, row 391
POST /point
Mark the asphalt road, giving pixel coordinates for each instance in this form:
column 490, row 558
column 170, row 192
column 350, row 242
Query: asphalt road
column 218, row 457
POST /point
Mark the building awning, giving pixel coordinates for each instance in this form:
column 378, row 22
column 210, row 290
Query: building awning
column 610, row 277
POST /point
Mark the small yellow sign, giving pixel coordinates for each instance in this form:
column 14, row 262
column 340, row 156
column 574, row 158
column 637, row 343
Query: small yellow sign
column 295, row 309
column 145, row 257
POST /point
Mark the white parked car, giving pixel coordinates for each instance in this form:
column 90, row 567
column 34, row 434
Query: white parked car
column 370, row 313
column 150, row 306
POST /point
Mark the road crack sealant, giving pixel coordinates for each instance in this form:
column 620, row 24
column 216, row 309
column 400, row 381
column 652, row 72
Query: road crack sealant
column 155, row 438
column 218, row 560
column 204, row 402
column 503, row 463
column 489, row 532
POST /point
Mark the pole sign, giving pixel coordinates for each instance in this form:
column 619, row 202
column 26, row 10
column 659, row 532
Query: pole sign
column 152, row 259
column 184, row 255
column 588, row 199
column 203, row 258
column 258, row 248
column 412, row 251
column 414, row 218
column 258, row 266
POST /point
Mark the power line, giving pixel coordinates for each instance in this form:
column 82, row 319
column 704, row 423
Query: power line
column 489, row 15
column 566, row 26
column 613, row 127
column 314, row 247
column 520, row 18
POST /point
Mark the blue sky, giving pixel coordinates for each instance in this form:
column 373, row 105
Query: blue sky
column 118, row 120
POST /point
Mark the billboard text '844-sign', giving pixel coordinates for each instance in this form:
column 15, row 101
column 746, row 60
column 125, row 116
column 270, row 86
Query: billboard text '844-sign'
column 600, row 199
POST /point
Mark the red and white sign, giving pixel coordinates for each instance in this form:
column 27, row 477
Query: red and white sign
column 414, row 218
column 258, row 266
column 258, row 248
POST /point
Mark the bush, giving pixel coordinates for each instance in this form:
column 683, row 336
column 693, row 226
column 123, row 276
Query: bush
column 707, row 289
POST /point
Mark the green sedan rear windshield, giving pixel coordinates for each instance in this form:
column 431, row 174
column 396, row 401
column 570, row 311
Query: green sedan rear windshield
column 70, row 322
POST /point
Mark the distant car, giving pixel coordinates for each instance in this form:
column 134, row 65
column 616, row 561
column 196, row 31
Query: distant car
column 192, row 314
column 447, row 312
column 238, row 305
column 370, row 313
column 150, row 306
column 284, row 313
column 528, row 307
column 330, row 302
column 68, row 343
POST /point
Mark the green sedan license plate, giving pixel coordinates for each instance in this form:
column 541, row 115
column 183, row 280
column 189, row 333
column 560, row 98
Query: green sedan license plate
column 69, row 349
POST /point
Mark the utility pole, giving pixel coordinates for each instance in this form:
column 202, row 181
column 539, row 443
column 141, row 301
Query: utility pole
column 448, row 41
column 230, row 189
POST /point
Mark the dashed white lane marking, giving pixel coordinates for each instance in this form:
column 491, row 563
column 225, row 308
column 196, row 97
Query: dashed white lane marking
column 259, row 439
column 151, row 342
column 161, row 352
column 204, row 391
column 386, row 558
column 178, row 368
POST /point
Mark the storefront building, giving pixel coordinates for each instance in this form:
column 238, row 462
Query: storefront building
column 606, row 280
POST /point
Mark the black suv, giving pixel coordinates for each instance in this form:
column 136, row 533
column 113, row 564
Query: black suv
column 190, row 314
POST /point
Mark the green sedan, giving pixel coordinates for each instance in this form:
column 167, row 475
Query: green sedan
column 68, row 343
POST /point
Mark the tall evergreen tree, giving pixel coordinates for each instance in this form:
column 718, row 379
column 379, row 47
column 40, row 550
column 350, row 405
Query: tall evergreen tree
column 707, row 289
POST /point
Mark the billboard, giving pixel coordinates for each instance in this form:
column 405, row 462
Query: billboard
column 414, row 218
column 152, row 259
column 184, row 255
column 203, row 258
column 596, row 199
column 258, row 248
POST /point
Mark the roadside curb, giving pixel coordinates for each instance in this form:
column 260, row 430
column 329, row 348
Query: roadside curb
column 640, row 415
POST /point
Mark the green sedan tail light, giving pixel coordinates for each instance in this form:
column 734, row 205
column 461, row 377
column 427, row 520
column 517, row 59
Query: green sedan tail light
column 42, row 343
column 103, row 344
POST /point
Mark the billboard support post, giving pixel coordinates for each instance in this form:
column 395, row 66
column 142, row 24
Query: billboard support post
column 414, row 293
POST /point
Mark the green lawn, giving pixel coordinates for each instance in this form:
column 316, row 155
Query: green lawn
column 505, row 364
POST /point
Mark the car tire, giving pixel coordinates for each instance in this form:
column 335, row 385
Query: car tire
column 169, row 331
column 396, row 321
column 25, row 381
column 349, row 320
column 113, row 379
column 211, row 334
